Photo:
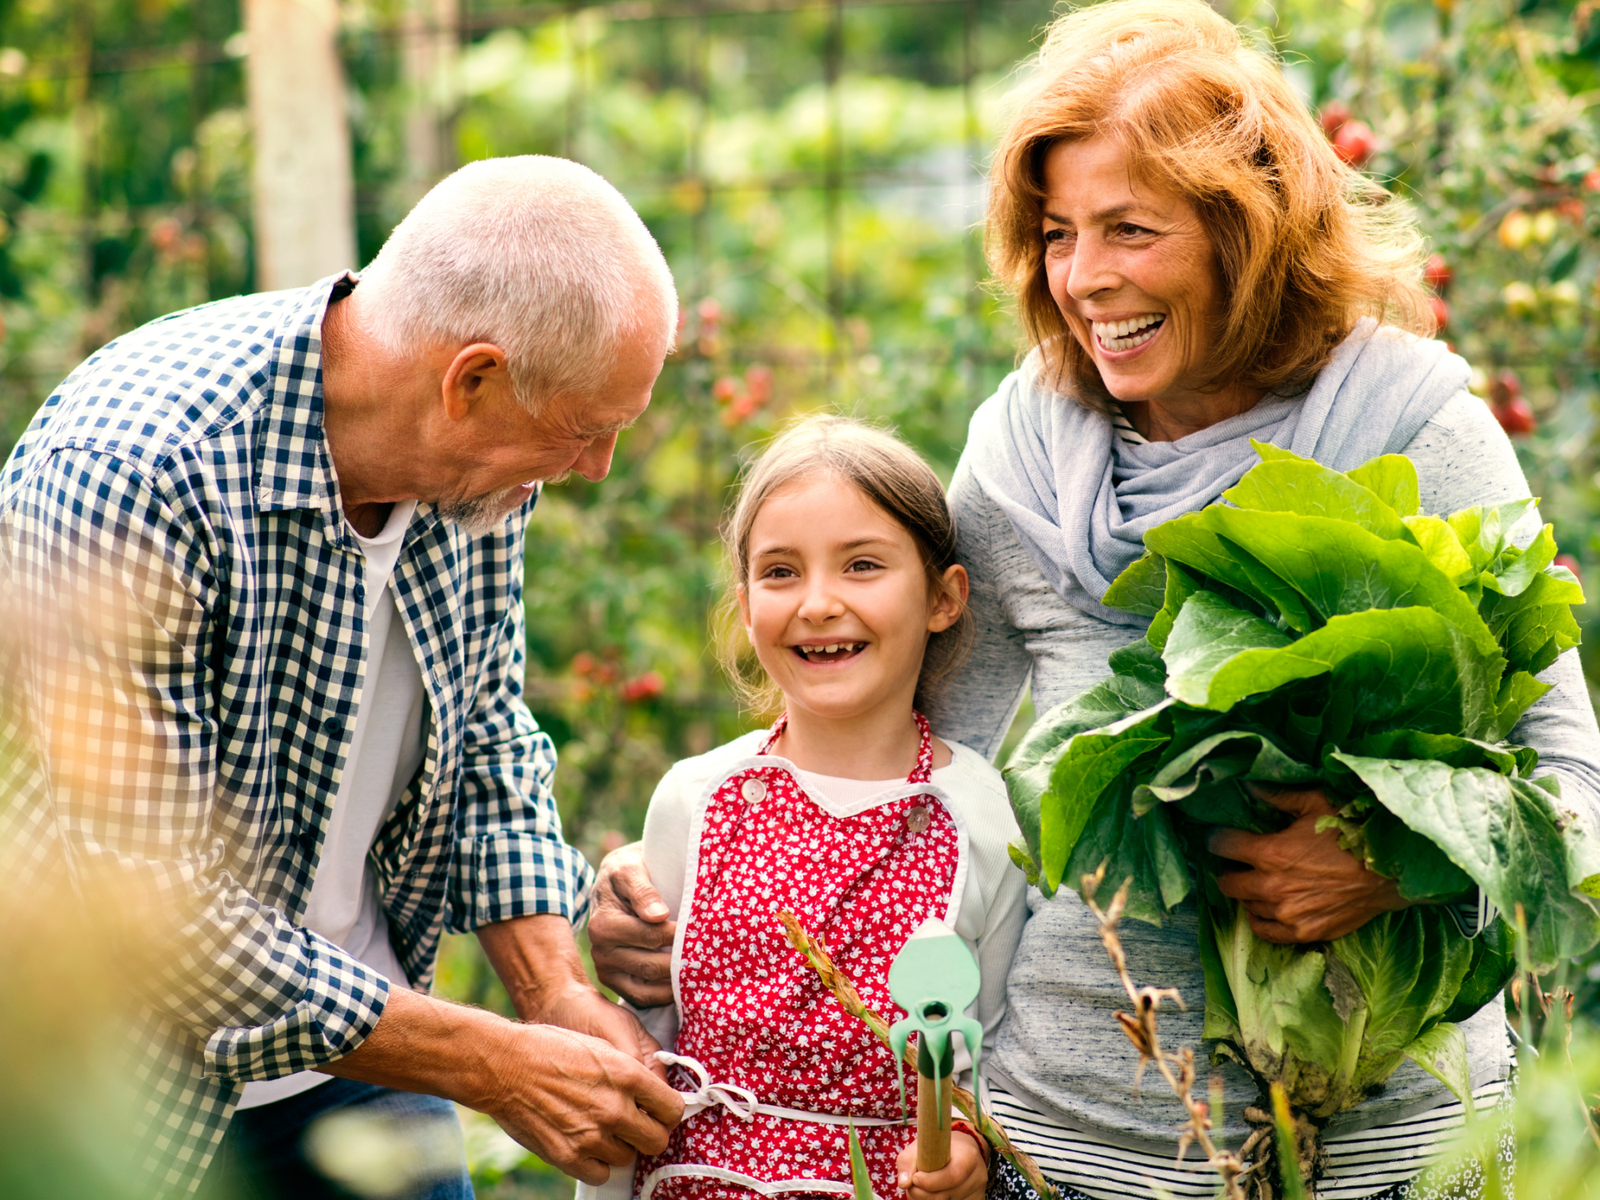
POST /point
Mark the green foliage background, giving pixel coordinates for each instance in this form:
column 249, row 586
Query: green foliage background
column 813, row 171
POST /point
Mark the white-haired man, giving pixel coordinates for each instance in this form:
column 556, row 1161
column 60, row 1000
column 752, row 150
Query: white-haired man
column 265, row 565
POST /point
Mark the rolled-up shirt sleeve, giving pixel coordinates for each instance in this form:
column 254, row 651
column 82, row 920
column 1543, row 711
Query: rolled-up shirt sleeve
column 112, row 594
column 511, row 859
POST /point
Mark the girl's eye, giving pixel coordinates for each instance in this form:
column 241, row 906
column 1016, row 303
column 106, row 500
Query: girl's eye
column 778, row 572
column 862, row 564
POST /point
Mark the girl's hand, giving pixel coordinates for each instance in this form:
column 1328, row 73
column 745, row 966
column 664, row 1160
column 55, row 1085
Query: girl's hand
column 1302, row 887
column 964, row 1177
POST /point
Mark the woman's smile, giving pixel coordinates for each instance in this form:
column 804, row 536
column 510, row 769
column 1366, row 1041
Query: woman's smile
column 1115, row 337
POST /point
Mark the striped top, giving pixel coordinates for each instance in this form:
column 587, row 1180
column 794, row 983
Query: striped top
column 1361, row 1164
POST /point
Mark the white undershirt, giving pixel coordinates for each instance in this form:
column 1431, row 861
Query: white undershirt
column 848, row 791
column 385, row 752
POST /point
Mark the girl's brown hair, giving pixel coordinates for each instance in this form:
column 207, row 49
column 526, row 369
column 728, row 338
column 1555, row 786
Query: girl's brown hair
column 1305, row 245
column 891, row 475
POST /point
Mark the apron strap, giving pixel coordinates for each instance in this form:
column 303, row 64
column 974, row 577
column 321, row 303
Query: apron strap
column 920, row 773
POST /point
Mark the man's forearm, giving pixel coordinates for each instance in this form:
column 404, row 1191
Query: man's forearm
column 537, row 961
column 424, row 1044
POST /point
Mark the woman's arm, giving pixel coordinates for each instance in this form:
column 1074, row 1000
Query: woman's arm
column 978, row 701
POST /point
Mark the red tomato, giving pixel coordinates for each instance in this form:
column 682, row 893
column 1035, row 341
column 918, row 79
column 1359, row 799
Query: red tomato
column 1441, row 313
column 1515, row 417
column 647, row 687
column 759, row 382
column 1438, row 273
column 1355, row 142
column 1334, row 115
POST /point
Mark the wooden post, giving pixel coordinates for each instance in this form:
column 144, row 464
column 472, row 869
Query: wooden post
column 304, row 201
column 430, row 33
column 935, row 1084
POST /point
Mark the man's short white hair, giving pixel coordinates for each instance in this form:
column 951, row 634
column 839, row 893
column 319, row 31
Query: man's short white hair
column 538, row 255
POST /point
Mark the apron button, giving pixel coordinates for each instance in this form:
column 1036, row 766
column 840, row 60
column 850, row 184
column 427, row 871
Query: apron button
column 753, row 791
column 917, row 819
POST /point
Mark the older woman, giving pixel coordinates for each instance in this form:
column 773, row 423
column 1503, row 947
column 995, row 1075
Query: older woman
column 1194, row 268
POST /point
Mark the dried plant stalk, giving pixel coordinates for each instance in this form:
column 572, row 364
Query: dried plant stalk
column 850, row 1000
column 1140, row 1026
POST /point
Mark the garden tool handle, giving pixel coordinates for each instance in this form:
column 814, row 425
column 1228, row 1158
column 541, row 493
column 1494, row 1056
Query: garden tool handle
column 935, row 1087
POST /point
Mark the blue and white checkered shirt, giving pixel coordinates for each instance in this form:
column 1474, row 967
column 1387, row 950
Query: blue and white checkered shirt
column 187, row 649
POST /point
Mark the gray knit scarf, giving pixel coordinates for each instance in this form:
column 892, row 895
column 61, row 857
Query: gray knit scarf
column 1081, row 500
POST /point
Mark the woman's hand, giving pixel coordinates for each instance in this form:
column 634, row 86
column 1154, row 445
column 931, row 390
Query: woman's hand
column 1301, row 886
column 964, row 1177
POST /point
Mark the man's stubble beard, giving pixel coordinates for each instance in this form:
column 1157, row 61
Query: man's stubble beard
column 479, row 516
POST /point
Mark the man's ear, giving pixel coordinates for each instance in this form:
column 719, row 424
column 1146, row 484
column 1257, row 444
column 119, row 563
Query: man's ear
column 949, row 600
column 476, row 373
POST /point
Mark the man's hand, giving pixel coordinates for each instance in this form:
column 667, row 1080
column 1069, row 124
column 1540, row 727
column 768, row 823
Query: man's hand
column 573, row 1099
column 538, row 962
column 629, row 934
column 1302, row 887
column 592, row 1109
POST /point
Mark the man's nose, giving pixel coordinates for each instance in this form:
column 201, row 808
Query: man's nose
column 594, row 460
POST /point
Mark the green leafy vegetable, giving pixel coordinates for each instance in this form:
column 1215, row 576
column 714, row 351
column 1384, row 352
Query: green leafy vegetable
column 1314, row 629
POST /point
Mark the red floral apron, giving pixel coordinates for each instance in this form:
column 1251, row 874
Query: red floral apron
column 791, row 1069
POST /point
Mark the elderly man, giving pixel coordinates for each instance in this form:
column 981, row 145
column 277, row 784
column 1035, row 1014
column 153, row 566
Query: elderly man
column 265, row 564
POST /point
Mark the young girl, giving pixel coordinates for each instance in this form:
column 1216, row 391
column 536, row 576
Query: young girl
column 847, row 812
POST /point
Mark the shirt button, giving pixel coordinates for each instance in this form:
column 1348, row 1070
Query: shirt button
column 333, row 727
column 753, row 791
column 917, row 819
column 361, row 593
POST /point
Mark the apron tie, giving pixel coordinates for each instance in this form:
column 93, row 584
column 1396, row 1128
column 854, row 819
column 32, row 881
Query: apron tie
column 741, row 1102
column 744, row 1104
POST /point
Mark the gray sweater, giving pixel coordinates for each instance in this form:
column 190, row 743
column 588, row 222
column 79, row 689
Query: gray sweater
column 1060, row 1047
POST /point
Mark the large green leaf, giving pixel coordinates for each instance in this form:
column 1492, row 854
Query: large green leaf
column 1144, row 850
column 1234, row 754
column 1494, row 962
column 1393, row 479
column 1187, row 540
column 1405, row 666
column 1442, row 1053
column 1142, row 586
column 1515, row 569
column 1510, row 836
column 1340, row 568
column 1536, row 625
column 1304, row 487
column 1090, row 764
column 1207, row 635
column 1409, row 966
column 1027, row 772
